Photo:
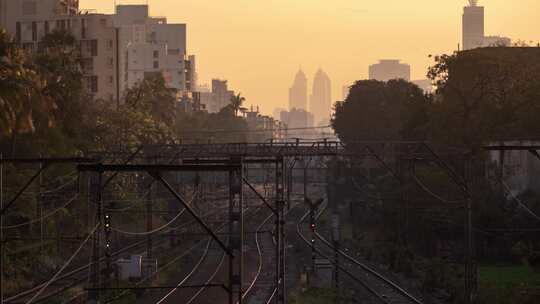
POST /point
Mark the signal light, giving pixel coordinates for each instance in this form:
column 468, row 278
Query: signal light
column 107, row 221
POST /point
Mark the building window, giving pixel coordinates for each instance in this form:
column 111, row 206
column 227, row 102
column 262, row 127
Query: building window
column 83, row 28
column 47, row 29
column 103, row 21
column 156, row 54
column 34, row 31
column 156, row 64
column 94, row 47
column 110, row 44
column 29, row 7
column 18, row 30
column 93, row 84
column 111, row 79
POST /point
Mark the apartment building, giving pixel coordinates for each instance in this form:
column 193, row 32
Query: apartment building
column 30, row 20
column 117, row 51
column 13, row 11
column 150, row 45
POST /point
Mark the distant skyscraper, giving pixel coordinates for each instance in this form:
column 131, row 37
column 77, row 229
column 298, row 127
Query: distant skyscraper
column 277, row 112
column 221, row 96
column 389, row 69
column 298, row 92
column 321, row 98
column 474, row 31
column 473, row 25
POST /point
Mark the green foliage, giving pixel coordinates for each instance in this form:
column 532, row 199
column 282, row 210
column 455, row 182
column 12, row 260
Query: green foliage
column 376, row 110
column 485, row 95
column 508, row 284
column 236, row 103
column 152, row 97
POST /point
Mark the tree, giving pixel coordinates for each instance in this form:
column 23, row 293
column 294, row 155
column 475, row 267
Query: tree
column 59, row 63
column 376, row 110
column 236, row 102
column 152, row 96
column 486, row 95
column 23, row 100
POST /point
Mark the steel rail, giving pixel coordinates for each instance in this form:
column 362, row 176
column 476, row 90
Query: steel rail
column 365, row 267
column 348, row 273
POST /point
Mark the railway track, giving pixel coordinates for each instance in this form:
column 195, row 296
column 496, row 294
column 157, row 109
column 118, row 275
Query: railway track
column 79, row 275
column 383, row 289
column 209, row 266
column 262, row 288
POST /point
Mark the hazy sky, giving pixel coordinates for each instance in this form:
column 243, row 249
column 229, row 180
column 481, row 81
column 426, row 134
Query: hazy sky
column 258, row 45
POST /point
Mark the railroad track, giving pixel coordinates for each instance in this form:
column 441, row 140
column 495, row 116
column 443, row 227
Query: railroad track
column 383, row 289
column 262, row 288
column 81, row 274
column 208, row 267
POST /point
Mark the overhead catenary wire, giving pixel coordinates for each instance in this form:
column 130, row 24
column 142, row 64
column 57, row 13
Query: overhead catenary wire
column 520, row 203
column 159, row 228
column 71, row 200
column 251, row 131
column 428, row 191
column 66, row 264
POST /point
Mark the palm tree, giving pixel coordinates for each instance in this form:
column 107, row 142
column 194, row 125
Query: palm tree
column 236, row 102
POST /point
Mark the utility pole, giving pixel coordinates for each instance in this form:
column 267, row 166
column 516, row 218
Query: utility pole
column 283, row 240
column 1, row 229
column 96, row 190
column 279, row 232
column 335, row 239
column 236, row 233
column 40, row 206
column 470, row 267
column 149, row 223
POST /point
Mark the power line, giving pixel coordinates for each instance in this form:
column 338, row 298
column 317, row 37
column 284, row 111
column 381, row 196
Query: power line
column 252, row 131
column 37, row 294
column 43, row 217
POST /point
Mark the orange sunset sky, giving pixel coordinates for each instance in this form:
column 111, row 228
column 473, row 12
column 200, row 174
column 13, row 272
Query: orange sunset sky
column 258, row 45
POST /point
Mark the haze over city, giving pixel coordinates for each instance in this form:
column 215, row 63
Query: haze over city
column 259, row 45
column 278, row 152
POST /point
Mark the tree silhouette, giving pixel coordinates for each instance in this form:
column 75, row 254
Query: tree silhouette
column 236, row 102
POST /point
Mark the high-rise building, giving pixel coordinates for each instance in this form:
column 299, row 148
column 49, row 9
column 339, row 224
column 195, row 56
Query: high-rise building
column 277, row 112
column 13, row 11
column 298, row 92
column 117, row 51
column 473, row 25
column 28, row 21
column 389, row 69
column 150, row 45
column 321, row 98
column 221, row 96
column 474, row 31
column 296, row 121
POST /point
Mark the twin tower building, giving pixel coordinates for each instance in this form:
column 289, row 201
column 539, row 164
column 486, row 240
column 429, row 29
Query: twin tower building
column 320, row 101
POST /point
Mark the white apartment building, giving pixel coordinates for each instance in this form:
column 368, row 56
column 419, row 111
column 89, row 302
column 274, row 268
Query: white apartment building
column 30, row 20
column 13, row 11
column 117, row 51
column 150, row 45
